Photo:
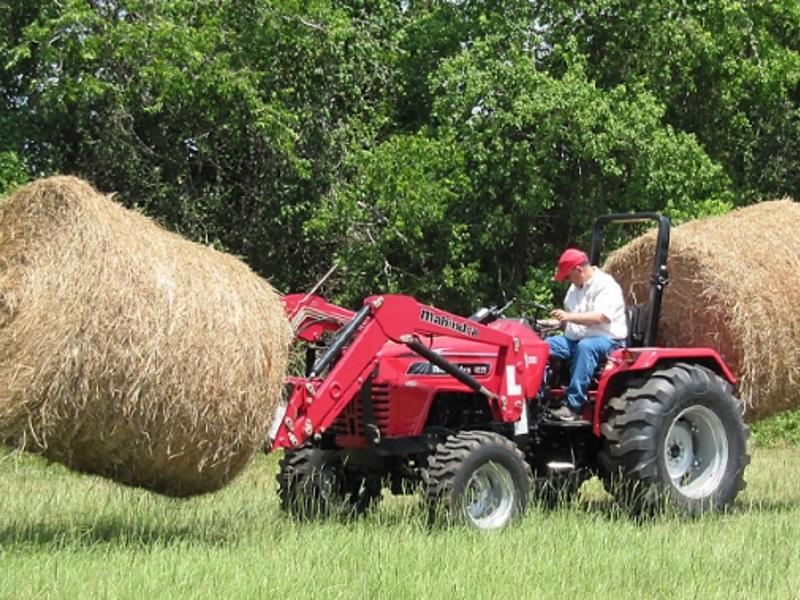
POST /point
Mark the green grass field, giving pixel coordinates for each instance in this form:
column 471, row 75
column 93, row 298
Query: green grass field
column 72, row 536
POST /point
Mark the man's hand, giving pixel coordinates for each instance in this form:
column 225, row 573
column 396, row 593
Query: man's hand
column 590, row 318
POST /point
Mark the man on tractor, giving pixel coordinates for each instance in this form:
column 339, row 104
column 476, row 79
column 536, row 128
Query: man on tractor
column 412, row 396
column 594, row 324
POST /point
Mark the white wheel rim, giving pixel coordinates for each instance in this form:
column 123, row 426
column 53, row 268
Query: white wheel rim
column 489, row 496
column 696, row 452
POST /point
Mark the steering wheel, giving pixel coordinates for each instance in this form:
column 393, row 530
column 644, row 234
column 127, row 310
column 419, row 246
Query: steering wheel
column 540, row 324
column 485, row 315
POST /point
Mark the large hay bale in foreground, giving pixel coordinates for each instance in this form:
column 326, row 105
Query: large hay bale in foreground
column 734, row 286
column 127, row 351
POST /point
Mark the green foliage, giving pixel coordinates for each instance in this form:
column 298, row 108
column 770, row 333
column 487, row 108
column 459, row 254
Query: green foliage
column 227, row 121
column 448, row 150
column 726, row 71
column 529, row 161
column 12, row 172
column 436, row 31
column 564, row 148
column 782, row 429
column 399, row 224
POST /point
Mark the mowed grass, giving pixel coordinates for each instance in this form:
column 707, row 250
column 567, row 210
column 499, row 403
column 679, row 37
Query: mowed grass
column 72, row 536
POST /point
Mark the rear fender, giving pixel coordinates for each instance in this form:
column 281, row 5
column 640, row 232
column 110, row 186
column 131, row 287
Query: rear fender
column 628, row 362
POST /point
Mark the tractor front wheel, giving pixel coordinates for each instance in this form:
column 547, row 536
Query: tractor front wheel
column 479, row 479
column 675, row 439
column 315, row 483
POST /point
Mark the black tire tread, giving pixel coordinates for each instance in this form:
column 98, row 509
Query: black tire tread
column 298, row 487
column 635, row 419
column 445, row 463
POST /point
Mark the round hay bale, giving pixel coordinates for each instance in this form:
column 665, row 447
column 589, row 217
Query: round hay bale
column 127, row 351
column 734, row 287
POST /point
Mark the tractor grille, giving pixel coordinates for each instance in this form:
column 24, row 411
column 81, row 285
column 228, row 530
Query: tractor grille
column 351, row 421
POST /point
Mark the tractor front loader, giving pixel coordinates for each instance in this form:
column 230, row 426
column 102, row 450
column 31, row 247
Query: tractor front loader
column 409, row 396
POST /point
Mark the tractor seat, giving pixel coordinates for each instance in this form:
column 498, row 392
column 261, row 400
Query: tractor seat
column 637, row 316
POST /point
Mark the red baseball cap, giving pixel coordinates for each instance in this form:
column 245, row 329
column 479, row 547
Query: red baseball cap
column 570, row 258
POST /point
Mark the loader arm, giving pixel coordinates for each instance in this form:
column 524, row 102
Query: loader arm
column 317, row 400
column 311, row 316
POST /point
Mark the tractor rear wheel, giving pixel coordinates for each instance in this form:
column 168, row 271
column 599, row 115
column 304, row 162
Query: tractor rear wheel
column 314, row 483
column 675, row 439
column 479, row 479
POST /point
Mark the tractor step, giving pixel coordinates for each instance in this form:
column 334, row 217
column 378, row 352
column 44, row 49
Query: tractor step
column 556, row 467
column 559, row 424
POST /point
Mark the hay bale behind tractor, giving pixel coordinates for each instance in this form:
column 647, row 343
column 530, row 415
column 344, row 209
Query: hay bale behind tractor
column 734, row 286
column 127, row 351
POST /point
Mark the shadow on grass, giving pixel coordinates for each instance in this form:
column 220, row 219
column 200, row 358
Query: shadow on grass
column 116, row 531
column 766, row 506
column 398, row 512
column 405, row 511
column 610, row 510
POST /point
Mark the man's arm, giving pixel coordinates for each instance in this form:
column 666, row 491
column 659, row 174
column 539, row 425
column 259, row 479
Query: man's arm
column 587, row 318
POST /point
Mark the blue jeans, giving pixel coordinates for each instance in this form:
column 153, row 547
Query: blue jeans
column 585, row 355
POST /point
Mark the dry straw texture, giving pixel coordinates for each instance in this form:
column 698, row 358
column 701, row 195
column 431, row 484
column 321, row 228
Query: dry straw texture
column 128, row 351
column 734, row 286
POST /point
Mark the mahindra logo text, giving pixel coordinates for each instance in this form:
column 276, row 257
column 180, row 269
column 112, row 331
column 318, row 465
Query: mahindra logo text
column 444, row 321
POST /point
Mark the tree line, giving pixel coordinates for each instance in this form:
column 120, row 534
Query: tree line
column 445, row 149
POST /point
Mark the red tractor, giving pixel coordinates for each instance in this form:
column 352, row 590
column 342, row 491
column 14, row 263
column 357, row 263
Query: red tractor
column 408, row 395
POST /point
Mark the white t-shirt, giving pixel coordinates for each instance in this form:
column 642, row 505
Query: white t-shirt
column 601, row 293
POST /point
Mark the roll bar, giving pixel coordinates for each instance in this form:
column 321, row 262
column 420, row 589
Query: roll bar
column 659, row 277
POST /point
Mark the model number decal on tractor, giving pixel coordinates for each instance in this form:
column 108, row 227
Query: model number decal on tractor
column 445, row 321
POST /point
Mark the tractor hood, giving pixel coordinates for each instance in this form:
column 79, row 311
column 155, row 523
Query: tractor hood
column 474, row 356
